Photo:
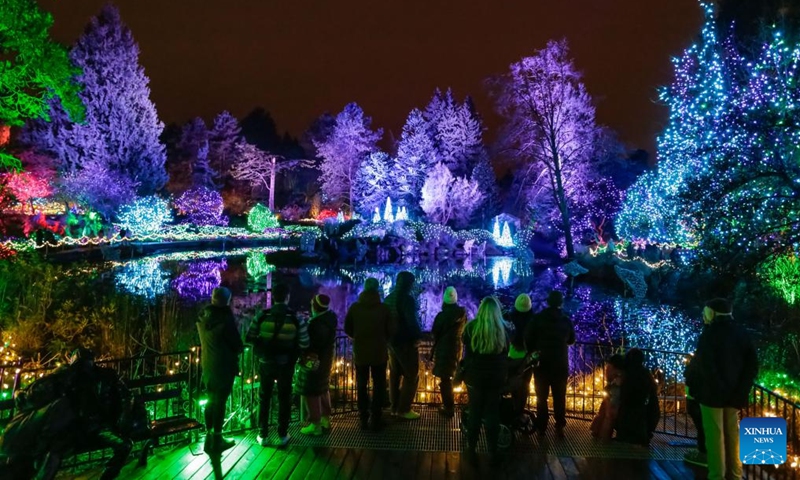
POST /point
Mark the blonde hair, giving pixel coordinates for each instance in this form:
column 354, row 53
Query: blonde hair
column 488, row 333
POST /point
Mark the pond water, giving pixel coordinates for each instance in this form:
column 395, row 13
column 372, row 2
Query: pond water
column 600, row 313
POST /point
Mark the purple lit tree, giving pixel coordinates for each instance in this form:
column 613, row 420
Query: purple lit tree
column 223, row 139
column 374, row 182
column 446, row 198
column 550, row 124
column 416, row 154
column 483, row 174
column 193, row 150
column 120, row 135
column 202, row 206
column 98, row 188
column 342, row 152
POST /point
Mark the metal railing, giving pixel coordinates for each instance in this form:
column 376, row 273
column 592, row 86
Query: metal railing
column 585, row 390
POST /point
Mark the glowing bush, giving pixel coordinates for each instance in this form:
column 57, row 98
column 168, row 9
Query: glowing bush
column 261, row 218
column 145, row 216
column 202, row 206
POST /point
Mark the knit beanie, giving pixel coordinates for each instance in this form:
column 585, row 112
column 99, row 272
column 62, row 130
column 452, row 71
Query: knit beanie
column 450, row 296
column 321, row 303
column 220, row 296
column 523, row 303
column 371, row 285
column 720, row 306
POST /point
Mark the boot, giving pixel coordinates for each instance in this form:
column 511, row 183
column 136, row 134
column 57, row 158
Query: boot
column 215, row 444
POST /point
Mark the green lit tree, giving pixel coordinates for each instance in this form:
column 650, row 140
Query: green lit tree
column 34, row 70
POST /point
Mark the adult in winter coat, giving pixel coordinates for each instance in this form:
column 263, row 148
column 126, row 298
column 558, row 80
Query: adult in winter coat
column 486, row 341
column 403, row 348
column 221, row 345
column 278, row 337
column 550, row 333
column 726, row 368
column 520, row 317
column 638, row 408
column 313, row 379
column 369, row 323
column 448, row 326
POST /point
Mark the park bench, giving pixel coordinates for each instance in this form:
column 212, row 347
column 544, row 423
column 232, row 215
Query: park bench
column 163, row 398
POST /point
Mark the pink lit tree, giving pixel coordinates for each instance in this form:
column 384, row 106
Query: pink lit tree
column 550, row 126
column 27, row 187
column 342, row 152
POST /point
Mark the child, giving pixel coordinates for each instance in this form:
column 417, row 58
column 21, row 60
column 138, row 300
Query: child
column 603, row 424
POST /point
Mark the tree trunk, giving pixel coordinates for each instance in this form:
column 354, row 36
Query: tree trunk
column 272, row 175
column 563, row 207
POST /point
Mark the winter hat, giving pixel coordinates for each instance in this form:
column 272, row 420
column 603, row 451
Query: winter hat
column 450, row 296
column 555, row 299
column 321, row 303
column 720, row 306
column 523, row 303
column 371, row 285
column 220, row 296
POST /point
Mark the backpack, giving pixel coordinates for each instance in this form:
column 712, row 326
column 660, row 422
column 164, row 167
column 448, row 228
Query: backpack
column 43, row 391
column 272, row 347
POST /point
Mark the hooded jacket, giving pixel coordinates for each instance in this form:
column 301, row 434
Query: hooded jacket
column 405, row 311
column 550, row 332
column 724, row 366
column 221, row 345
column 448, row 326
column 369, row 323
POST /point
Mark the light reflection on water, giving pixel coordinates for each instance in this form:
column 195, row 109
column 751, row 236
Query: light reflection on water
column 600, row 314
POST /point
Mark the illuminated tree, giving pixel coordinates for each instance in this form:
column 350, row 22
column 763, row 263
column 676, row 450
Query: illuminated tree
column 223, row 139
column 416, row 154
column 449, row 199
column 202, row 206
column 95, row 186
column 260, row 169
column 728, row 172
column 550, row 124
column 145, row 216
column 260, row 218
column 35, row 72
column 28, row 186
column 342, row 152
column 121, row 128
column 374, row 182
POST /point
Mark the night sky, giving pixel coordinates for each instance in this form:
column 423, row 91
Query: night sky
column 299, row 59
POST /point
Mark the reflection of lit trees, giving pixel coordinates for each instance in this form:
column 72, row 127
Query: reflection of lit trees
column 144, row 278
column 199, row 279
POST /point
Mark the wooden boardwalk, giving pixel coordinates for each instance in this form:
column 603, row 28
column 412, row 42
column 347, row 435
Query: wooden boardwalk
column 248, row 460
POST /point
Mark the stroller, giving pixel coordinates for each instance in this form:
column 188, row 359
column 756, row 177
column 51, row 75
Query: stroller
column 511, row 419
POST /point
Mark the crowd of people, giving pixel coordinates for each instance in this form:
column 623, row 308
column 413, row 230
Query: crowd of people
column 495, row 353
column 83, row 405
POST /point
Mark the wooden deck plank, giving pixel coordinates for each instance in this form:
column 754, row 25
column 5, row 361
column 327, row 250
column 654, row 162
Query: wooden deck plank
column 453, row 465
column 304, row 465
column 334, row 464
column 556, row 470
column 274, row 463
column 156, row 466
column 233, row 467
column 290, row 463
column 408, row 467
column 364, row 465
column 688, row 471
column 380, row 464
column 392, row 465
column 570, row 469
column 438, row 464
column 320, row 462
column 253, row 469
column 232, row 454
column 350, row 464
column 424, row 466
